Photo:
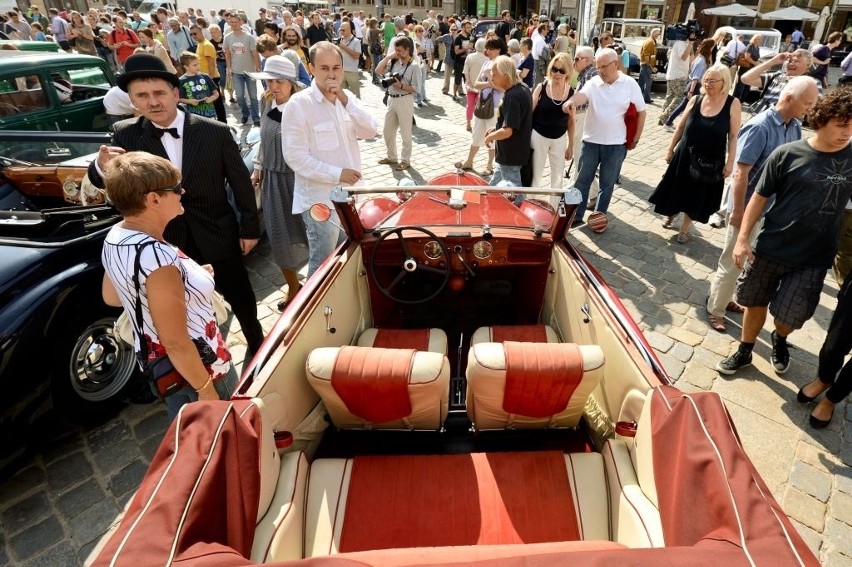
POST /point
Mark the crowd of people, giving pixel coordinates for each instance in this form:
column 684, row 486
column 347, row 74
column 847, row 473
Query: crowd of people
column 534, row 98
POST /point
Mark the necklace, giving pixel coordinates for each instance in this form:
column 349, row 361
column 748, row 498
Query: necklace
column 564, row 93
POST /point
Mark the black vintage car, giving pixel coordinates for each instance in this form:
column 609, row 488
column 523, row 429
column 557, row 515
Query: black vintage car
column 57, row 347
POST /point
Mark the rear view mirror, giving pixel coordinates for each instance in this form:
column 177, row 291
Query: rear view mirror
column 320, row 212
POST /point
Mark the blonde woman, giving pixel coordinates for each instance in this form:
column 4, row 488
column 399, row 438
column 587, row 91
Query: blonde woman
column 287, row 236
column 553, row 127
column 152, row 45
column 700, row 154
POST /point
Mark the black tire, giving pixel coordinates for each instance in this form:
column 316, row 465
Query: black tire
column 93, row 368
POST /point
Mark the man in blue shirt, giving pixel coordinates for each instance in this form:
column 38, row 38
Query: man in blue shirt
column 777, row 125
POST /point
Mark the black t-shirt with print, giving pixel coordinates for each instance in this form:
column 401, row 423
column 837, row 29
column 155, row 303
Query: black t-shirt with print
column 458, row 42
column 811, row 189
column 515, row 112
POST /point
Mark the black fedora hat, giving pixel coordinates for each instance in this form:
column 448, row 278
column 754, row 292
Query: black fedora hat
column 145, row 66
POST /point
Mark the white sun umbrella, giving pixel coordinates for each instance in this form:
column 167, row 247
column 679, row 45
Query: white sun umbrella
column 791, row 13
column 690, row 12
column 820, row 25
column 731, row 10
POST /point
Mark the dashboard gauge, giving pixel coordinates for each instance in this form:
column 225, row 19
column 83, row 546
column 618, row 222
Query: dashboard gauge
column 71, row 189
column 432, row 250
column 482, row 249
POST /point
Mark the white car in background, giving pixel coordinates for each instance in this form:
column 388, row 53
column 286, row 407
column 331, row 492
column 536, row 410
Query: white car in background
column 769, row 46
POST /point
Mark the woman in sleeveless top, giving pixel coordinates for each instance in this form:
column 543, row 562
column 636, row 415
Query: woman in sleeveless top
column 167, row 295
column 693, row 181
column 286, row 231
column 552, row 127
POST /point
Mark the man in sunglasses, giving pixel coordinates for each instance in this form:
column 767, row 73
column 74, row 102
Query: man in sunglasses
column 605, row 143
column 207, row 155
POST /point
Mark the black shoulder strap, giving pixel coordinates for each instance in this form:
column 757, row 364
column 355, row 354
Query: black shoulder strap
column 137, row 267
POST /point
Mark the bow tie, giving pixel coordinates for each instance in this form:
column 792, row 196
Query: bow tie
column 274, row 114
column 173, row 131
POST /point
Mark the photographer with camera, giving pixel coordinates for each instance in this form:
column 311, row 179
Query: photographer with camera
column 677, row 72
column 400, row 74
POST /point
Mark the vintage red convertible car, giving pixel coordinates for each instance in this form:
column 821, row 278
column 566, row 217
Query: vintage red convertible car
column 455, row 385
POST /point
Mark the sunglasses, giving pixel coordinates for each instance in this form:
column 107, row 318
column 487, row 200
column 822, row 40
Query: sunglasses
column 602, row 67
column 177, row 189
column 559, row 70
column 578, row 58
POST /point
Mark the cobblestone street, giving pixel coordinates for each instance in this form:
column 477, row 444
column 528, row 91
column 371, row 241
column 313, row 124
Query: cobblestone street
column 68, row 492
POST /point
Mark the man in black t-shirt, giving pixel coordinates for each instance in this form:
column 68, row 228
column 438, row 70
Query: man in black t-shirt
column 513, row 133
column 462, row 45
column 811, row 181
column 505, row 27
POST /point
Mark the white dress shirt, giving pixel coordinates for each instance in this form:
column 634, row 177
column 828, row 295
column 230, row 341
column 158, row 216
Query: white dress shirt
column 172, row 145
column 319, row 140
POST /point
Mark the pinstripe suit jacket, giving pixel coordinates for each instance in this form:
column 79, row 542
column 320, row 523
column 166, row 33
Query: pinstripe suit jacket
column 208, row 230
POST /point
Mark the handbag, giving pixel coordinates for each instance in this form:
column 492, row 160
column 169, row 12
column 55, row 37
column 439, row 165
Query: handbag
column 704, row 169
column 376, row 49
column 484, row 108
column 744, row 61
column 727, row 60
column 162, row 376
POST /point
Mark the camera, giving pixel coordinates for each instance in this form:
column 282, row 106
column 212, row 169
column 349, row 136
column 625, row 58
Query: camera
column 691, row 30
column 389, row 79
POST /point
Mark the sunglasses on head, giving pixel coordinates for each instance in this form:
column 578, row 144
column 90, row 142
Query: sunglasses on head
column 559, row 70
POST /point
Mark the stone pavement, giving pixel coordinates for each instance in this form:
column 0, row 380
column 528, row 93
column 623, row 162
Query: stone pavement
column 68, row 492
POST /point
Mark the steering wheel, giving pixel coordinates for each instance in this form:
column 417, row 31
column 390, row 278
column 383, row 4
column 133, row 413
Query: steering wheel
column 410, row 265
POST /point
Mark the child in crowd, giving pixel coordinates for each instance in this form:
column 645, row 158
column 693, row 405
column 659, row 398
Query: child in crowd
column 266, row 48
column 38, row 32
column 197, row 90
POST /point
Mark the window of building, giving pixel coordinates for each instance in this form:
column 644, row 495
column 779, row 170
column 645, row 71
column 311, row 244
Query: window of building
column 437, row 3
column 402, row 3
column 613, row 10
column 419, row 3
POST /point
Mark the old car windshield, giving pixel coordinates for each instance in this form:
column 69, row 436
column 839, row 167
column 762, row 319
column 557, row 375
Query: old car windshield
column 633, row 30
column 46, row 152
column 468, row 209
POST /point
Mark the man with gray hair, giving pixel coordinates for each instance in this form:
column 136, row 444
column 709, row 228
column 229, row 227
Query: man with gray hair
column 513, row 133
column 795, row 64
column 179, row 40
column 605, row 136
column 758, row 137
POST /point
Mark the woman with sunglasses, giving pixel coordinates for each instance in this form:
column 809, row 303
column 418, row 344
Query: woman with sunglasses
column 552, row 127
column 698, row 165
column 148, row 276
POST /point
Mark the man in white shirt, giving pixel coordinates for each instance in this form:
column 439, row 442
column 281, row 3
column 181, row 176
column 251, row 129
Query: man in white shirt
column 540, row 53
column 677, row 76
column 358, row 24
column 605, row 142
column 320, row 128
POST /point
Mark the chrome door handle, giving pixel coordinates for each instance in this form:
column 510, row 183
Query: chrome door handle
column 587, row 313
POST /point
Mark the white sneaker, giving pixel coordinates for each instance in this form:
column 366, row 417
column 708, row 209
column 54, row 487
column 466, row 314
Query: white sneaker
column 716, row 220
column 668, row 128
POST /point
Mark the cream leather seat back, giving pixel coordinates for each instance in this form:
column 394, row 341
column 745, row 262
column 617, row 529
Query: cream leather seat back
column 430, row 340
column 514, row 385
column 518, row 333
column 382, row 388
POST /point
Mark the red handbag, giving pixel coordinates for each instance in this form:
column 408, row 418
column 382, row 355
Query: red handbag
column 631, row 122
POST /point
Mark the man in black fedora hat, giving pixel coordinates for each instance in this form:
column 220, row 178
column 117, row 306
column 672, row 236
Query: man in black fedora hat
column 207, row 156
